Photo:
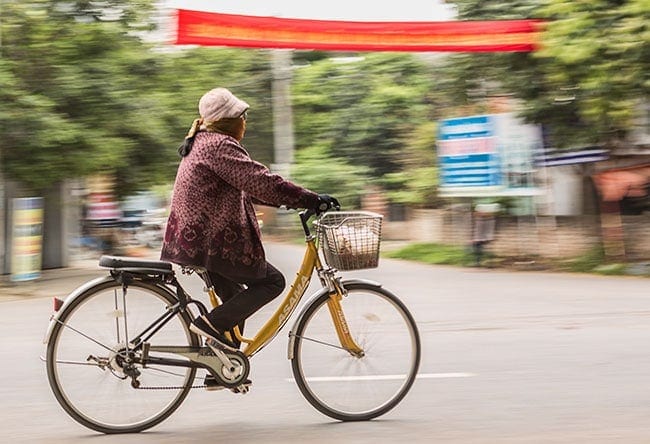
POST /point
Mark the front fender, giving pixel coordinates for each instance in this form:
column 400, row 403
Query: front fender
column 322, row 292
column 69, row 299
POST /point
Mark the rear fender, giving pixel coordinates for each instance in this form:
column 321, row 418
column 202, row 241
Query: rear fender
column 76, row 293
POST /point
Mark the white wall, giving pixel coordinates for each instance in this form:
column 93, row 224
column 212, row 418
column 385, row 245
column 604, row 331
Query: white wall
column 566, row 190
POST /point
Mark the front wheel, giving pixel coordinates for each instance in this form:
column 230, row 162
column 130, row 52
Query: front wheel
column 96, row 374
column 356, row 386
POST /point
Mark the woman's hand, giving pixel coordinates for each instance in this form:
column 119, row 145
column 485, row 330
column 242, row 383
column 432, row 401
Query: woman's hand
column 326, row 202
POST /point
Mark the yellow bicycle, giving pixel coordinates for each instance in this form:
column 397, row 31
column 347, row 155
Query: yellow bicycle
column 121, row 358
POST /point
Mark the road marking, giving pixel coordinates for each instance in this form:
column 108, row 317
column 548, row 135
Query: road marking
column 444, row 375
column 383, row 377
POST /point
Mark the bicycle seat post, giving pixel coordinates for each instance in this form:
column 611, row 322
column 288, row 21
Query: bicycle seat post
column 205, row 277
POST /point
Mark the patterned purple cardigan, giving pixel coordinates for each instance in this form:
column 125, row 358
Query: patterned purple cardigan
column 212, row 220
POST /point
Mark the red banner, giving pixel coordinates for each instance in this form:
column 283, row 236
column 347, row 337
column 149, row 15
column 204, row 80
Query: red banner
column 215, row 29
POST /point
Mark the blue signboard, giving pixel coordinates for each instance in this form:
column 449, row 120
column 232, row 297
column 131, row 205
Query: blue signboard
column 468, row 153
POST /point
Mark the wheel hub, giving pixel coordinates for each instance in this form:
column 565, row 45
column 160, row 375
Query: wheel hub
column 121, row 364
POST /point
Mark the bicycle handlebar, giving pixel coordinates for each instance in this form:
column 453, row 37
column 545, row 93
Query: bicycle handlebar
column 305, row 215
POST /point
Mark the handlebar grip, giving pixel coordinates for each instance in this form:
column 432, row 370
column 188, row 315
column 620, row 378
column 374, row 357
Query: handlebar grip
column 305, row 215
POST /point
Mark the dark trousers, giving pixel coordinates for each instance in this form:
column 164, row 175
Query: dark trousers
column 477, row 247
column 243, row 297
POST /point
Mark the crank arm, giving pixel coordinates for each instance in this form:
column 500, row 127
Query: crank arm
column 221, row 355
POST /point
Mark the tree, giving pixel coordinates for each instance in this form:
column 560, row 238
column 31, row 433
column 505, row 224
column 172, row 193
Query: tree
column 599, row 52
column 83, row 93
column 589, row 76
column 74, row 92
column 317, row 169
column 366, row 111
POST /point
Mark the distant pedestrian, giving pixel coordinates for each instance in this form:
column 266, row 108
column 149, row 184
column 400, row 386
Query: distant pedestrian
column 484, row 223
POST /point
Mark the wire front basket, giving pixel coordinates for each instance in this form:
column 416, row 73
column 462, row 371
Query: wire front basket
column 350, row 240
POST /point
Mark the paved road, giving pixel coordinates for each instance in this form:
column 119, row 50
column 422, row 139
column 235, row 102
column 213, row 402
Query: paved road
column 507, row 358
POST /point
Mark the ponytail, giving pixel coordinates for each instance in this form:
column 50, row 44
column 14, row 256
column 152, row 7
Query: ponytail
column 185, row 147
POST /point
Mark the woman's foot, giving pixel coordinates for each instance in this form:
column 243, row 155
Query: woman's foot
column 201, row 326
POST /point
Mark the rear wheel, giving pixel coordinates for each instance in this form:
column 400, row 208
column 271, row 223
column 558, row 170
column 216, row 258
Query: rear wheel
column 358, row 387
column 91, row 363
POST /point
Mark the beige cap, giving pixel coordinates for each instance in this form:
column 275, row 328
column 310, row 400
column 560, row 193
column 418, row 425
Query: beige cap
column 219, row 103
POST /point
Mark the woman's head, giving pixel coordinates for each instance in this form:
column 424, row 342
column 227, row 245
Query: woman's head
column 223, row 112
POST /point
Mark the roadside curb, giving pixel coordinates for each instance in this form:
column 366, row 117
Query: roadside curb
column 59, row 282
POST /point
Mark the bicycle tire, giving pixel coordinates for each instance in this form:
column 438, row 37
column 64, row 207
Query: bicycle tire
column 101, row 400
column 341, row 385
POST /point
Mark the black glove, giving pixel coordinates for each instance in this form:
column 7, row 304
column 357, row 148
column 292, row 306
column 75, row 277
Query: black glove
column 326, row 202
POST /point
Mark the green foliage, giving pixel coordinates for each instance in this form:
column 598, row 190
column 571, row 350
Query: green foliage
column 601, row 51
column 82, row 93
column 416, row 187
column 496, row 9
column 437, row 254
column 589, row 77
column 371, row 111
column 317, row 170
column 130, row 14
column 417, row 183
column 77, row 96
column 611, row 269
column 592, row 261
column 586, row 262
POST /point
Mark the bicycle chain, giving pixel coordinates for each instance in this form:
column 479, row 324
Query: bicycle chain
column 170, row 387
column 205, row 352
column 180, row 387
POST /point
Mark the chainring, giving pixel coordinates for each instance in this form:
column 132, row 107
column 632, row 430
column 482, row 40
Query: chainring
column 227, row 377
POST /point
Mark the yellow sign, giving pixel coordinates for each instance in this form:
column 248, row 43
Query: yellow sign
column 27, row 238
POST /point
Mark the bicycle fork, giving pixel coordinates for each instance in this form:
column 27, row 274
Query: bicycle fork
column 338, row 318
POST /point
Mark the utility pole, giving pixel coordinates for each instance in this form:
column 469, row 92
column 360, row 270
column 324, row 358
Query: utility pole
column 283, row 141
column 3, row 212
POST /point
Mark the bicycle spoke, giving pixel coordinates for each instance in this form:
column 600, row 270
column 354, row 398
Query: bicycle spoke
column 92, row 364
column 84, row 335
column 328, row 344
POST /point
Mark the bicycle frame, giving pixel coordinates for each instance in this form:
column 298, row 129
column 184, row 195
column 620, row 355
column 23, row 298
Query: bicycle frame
column 310, row 262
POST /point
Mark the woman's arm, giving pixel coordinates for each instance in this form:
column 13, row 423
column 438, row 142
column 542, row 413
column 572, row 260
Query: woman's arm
column 233, row 164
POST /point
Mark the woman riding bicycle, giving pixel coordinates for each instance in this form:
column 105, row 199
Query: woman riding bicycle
column 212, row 221
column 123, row 350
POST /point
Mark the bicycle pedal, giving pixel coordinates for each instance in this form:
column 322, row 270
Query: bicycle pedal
column 211, row 383
column 243, row 389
